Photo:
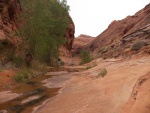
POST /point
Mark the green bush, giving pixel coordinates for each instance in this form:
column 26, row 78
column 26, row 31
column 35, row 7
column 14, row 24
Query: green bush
column 85, row 57
column 43, row 25
column 138, row 45
column 23, row 75
column 102, row 73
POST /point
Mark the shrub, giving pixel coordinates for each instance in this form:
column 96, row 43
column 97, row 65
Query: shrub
column 102, row 73
column 85, row 57
column 23, row 75
column 138, row 45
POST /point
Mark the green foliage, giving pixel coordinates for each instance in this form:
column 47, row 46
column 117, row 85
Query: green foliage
column 85, row 57
column 44, row 24
column 23, row 75
column 102, row 73
column 18, row 61
column 138, row 45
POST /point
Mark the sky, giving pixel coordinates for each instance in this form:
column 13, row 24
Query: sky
column 92, row 17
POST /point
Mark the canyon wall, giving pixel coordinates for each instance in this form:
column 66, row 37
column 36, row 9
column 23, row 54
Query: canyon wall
column 119, row 37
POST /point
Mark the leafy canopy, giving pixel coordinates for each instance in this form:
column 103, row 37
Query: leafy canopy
column 43, row 25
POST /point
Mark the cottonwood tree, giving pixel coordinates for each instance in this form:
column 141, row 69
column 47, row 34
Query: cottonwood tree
column 43, row 24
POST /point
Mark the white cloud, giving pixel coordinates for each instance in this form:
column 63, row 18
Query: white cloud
column 91, row 17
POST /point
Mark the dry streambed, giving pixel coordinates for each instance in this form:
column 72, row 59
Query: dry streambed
column 125, row 89
column 126, row 79
column 27, row 96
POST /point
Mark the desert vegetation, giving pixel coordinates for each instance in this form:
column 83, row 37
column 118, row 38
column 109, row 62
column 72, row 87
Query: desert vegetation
column 42, row 25
column 138, row 45
column 102, row 73
column 85, row 57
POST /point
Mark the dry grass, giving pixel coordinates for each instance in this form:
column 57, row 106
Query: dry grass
column 102, row 73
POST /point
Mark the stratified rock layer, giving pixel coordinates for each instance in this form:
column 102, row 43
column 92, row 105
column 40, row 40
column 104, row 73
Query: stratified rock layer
column 118, row 38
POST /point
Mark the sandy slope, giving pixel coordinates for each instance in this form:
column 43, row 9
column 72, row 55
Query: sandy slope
column 120, row 91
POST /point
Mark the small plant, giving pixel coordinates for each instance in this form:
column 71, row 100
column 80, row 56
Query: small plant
column 85, row 57
column 138, row 45
column 23, row 75
column 102, row 73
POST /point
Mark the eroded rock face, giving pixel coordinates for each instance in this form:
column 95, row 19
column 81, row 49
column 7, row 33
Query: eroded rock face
column 80, row 43
column 113, row 41
column 70, row 35
column 9, row 9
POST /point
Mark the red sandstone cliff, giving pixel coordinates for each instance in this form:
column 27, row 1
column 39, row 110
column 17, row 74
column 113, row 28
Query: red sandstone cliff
column 81, row 42
column 118, row 38
column 70, row 35
column 9, row 9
